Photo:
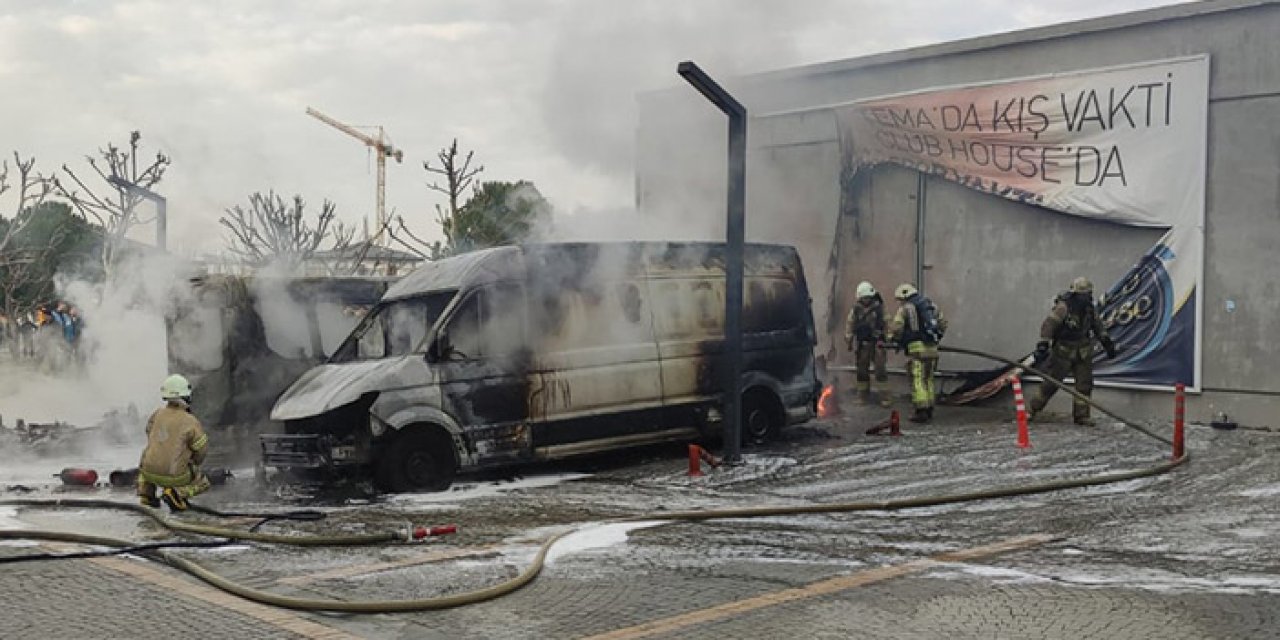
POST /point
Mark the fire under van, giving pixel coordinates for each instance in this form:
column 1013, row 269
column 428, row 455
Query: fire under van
column 539, row 352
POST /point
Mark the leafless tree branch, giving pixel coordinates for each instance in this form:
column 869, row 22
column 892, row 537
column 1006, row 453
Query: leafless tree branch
column 458, row 178
column 273, row 231
column 115, row 214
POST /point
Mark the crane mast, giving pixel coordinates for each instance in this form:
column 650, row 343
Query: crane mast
column 383, row 149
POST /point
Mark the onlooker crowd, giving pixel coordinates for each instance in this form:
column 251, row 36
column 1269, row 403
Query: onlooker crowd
column 48, row 334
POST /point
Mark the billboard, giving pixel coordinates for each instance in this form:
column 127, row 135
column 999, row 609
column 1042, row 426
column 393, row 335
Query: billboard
column 1126, row 144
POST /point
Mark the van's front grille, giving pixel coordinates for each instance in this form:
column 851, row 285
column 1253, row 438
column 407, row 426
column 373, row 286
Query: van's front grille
column 295, row 451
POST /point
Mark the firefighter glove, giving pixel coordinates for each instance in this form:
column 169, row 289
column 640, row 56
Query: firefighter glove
column 1042, row 351
column 1110, row 346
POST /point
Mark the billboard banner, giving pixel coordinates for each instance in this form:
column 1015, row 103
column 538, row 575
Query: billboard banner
column 1124, row 144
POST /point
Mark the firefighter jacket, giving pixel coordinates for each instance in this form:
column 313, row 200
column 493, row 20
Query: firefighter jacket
column 908, row 325
column 1073, row 323
column 865, row 322
column 175, row 441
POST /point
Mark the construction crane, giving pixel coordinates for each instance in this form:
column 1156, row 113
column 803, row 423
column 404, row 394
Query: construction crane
column 382, row 147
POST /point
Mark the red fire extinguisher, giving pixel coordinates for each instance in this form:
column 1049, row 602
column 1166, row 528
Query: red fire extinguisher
column 78, row 477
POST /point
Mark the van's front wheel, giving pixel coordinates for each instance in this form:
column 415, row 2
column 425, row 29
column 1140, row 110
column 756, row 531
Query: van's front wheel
column 416, row 460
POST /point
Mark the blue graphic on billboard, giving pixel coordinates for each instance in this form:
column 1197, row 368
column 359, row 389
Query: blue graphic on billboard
column 1153, row 331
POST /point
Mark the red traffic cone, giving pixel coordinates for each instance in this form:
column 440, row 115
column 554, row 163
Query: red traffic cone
column 1024, row 436
column 1179, row 419
column 695, row 459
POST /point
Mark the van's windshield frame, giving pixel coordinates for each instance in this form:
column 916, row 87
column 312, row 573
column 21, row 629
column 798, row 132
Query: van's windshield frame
column 395, row 338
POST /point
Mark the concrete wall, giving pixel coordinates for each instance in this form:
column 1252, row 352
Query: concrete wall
column 993, row 265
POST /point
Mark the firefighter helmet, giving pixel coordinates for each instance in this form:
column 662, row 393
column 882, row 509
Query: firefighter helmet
column 1081, row 285
column 904, row 291
column 865, row 290
column 175, row 387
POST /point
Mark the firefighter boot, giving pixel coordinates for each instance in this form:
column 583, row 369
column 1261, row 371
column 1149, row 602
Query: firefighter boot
column 149, row 501
column 175, row 500
column 920, row 415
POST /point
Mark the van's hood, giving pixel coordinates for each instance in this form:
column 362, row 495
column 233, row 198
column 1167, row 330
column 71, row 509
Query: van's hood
column 329, row 386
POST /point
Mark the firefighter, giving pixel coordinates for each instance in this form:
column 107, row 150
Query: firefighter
column 176, row 445
column 917, row 328
column 1066, row 342
column 864, row 335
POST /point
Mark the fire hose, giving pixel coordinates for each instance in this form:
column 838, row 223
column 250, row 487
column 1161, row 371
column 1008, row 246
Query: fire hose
column 535, row 566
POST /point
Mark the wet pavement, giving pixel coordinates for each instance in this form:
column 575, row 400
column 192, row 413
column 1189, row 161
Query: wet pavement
column 1189, row 554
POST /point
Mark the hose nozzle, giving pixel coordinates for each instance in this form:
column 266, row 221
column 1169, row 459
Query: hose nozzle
column 419, row 533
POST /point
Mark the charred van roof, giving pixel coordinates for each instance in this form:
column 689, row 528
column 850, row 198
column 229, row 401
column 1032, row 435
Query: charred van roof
column 498, row 263
column 458, row 272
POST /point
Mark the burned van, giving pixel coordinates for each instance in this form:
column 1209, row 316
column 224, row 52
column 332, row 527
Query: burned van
column 243, row 340
column 538, row 352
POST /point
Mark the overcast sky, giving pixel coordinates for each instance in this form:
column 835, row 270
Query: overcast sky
column 542, row 90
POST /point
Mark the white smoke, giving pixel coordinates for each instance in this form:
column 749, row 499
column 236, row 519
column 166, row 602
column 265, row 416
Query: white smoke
column 123, row 348
column 104, row 395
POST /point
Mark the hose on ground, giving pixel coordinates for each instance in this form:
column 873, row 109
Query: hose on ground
column 347, row 540
column 1060, row 385
column 138, row 549
column 535, row 567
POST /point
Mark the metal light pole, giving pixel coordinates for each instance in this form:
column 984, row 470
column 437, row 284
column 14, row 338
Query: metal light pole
column 734, row 239
column 162, row 207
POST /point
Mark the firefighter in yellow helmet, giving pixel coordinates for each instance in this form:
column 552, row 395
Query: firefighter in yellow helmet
column 1066, row 342
column 864, row 335
column 917, row 328
column 176, row 445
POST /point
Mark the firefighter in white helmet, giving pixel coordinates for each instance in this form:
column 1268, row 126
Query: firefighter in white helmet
column 864, row 335
column 917, row 328
column 176, row 445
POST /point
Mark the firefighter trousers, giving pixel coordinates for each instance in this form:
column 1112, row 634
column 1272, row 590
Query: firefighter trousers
column 192, row 483
column 922, row 364
column 869, row 355
column 1075, row 361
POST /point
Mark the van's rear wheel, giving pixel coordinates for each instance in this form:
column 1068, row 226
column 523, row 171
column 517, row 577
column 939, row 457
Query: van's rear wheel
column 416, row 460
column 761, row 421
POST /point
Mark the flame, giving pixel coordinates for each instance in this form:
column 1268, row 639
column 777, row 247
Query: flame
column 828, row 405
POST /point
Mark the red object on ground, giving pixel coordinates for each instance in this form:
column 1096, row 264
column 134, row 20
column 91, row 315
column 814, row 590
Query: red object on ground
column 79, row 477
column 1179, row 417
column 428, row 532
column 893, row 424
column 695, row 457
column 1019, row 403
column 706, row 457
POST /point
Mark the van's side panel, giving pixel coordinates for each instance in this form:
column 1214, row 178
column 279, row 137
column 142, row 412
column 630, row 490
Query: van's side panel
column 687, row 285
column 597, row 373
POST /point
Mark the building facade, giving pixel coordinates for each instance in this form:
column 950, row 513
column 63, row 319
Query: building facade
column 994, row 264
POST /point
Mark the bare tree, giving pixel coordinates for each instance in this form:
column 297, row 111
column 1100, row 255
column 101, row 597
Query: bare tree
column 458, row 177
column 25, row 271
column 398, row 231
column 22, row 259
column 271, row 231
column 33, row 190
column 115, row 210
